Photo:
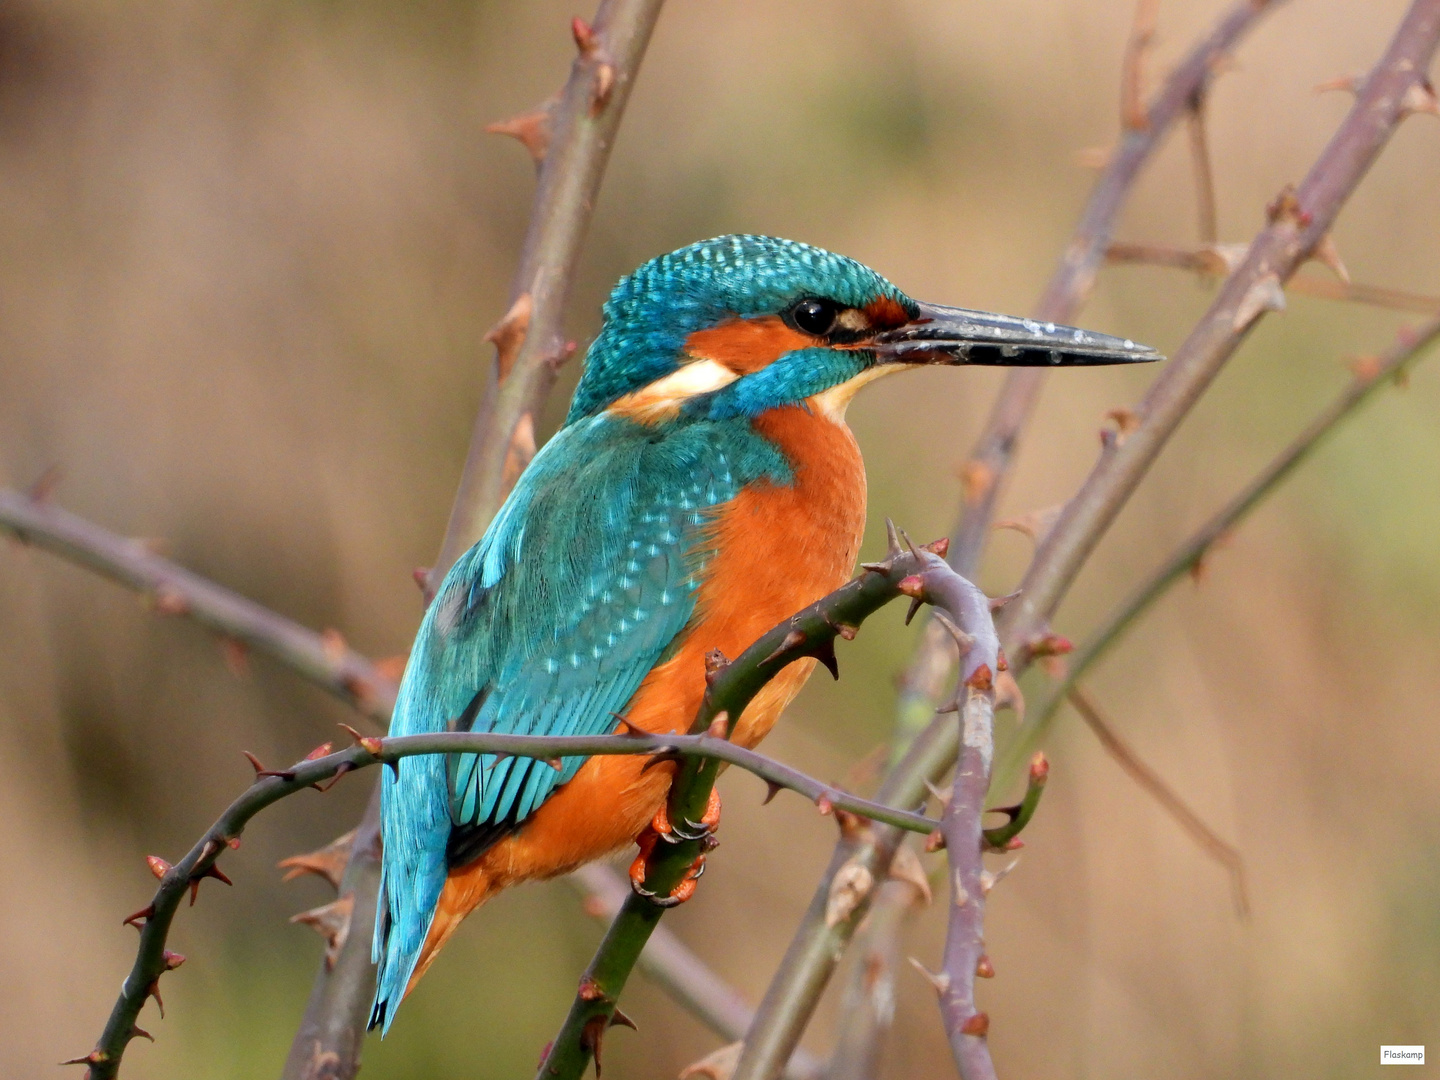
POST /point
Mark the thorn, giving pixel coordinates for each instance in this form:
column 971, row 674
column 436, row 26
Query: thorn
column 1420, row 98
column 771, row 790
column 604, row 84
column 630, row 729
column 158, row 866
column 137, row 1031
column 589, row 990
column 332, row 922
column 666, row 754
column 989, row 880
column 45, row 484
column 1286, row 207
column 319, row 751
column 963, row 641
column 95, row 1057
column 1036, row 524
column 1348, row 83
column 592, row 1035
column 793, row 640
column 715, row 665
column 976, row 480
column 619, row 1018
column 153, row 990
column 1327, row 253
column 961, row 897
column 984, row 969
column 324, row 786
column 236, row 655
column 905, row 866
column 1008, row 695
column 978, row 1025
column 555, row 763
column 913, row 586
column 824, row 805
column 147, row 912
column 508, row 334
column 998, row 602
column 421, row 574
column 211, row 871
column 981, row 679
column 172, row 959
column 1125, row 422
column 935, row 841
column 370, row 743
column 941, row 795
column 825, row 653
column 261, row 772
column 948, row 707
column 893, row 548
column 169, row 600
column 532, row 129
column 846, row 631
column 717, row 1065
column 939, row 547
column 585, row 39
column 940, row 981
column 1049, row 644
column 719, row 727
column 332, row 644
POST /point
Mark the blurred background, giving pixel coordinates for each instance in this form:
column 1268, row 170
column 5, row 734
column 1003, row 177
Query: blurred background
column 248, row 253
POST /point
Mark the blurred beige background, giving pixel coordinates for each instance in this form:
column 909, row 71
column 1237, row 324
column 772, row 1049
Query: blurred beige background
column 247, row 256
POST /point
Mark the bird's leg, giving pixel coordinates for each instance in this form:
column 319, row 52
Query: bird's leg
column 660, row 826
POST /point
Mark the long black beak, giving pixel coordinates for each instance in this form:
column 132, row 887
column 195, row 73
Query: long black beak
column 948, row 335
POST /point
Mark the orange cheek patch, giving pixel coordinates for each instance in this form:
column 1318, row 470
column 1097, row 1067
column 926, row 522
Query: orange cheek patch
column 746, row 345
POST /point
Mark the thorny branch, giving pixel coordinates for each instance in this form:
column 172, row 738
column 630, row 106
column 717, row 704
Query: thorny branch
column 1217, row 260
column 570, row 137
column 813, row 954
column 979, row 651
column 1149, row 781
column 324, row 659
column 322, row 768
column 1300, row 219
column 334, row 1025
column 731, row 687
column 666, row 961
column 1370, row 374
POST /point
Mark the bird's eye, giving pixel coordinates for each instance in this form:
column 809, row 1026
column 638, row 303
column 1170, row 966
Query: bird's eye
column 815, row 316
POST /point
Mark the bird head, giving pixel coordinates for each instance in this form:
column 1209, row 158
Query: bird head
column 740, row 324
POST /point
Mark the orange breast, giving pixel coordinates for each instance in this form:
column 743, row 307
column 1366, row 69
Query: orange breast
column 780, row 548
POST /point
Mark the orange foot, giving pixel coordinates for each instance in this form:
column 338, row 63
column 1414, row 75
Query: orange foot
column 703, row 830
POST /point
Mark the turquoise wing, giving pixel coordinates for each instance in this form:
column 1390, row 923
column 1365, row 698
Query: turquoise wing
column 546, row 627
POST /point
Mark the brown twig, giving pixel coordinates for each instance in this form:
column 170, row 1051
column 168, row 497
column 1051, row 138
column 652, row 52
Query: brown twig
column 569, row 137
column 1153, row 784
column 583, row 125
column 1217, row 260
column 1204, row 173
column 1300, row 220
column 926, row 746
column 324, row 659
column 270, row 786
column 1133, row 116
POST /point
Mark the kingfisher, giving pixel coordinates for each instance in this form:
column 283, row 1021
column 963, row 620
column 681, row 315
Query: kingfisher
column 703, row 487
